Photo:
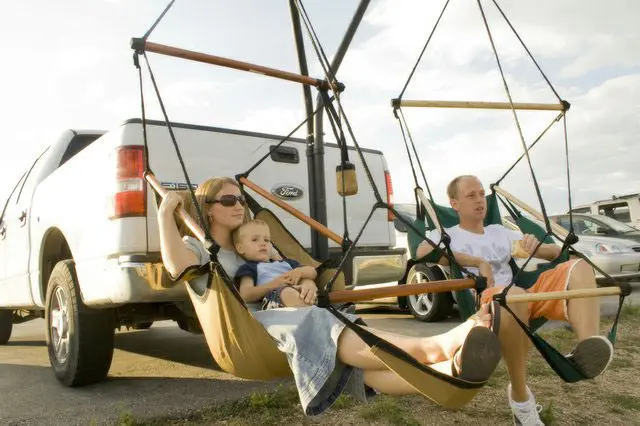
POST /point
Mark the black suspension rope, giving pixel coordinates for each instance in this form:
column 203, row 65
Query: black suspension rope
column 147, row 162
column 529, row 53
column 153, row 27
column 566, row 150
column 329, row 78
column 205, row 226
column 515, row 116
column 404, row 88
column 283, row 140
column 554, row 121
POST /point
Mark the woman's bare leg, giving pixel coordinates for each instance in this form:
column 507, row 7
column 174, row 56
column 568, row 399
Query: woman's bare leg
column 386, row 381
column 429, row 350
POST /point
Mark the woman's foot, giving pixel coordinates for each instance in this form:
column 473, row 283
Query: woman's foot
column 478, row 356
column 454, row 338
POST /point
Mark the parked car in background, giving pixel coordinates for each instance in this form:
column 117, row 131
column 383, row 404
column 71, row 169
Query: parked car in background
column 624, row 208
column 599, row 225
column 620, row 258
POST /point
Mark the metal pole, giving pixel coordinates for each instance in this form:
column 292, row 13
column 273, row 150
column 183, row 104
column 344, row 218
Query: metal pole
column 321, row 245
column 308, row 106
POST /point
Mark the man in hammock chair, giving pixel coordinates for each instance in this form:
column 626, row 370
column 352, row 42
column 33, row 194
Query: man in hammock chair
column 488, row 251
column 326, row 357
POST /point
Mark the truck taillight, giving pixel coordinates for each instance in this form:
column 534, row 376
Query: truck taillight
column 387, row 179
column 130, row 195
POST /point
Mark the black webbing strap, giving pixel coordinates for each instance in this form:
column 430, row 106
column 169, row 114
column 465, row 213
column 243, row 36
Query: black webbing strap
column 283, row 140
column 330, row 78
column 157, row 21
column 554, row 121
column 515, row 116
column 413, row 70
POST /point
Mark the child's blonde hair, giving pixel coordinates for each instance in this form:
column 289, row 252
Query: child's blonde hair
column 237, row 233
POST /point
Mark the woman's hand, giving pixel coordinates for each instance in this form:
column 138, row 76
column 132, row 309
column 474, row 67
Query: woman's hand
column 308, row 291
column 169, row 205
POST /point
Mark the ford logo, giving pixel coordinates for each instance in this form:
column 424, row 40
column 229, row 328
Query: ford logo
column 288, row 191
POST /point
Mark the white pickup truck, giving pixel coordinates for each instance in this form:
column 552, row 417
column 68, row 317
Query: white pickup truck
column 79, row 243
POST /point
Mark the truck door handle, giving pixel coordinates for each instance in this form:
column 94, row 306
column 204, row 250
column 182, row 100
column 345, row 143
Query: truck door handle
column 284, row 154
column 23, row 217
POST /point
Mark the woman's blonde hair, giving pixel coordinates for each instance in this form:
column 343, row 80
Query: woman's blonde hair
column 206, row 192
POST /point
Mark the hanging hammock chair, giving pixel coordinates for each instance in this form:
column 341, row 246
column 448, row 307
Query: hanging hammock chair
column 238, row 342
column 429, row 215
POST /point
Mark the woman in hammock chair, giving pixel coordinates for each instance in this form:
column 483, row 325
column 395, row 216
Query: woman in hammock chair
column 488, row 250
column 325, row 358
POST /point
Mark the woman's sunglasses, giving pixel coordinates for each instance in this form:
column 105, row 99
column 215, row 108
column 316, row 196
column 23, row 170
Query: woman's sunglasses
column 229, row 200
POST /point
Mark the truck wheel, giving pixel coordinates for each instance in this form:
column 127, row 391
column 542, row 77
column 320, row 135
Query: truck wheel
column 79, row 339
column 6, row 325
column 428, row 307
column 143, row 325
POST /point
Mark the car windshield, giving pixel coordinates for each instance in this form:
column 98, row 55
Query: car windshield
column 614, row 224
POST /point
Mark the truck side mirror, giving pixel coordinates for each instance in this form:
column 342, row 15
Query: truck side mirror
column 346, row 181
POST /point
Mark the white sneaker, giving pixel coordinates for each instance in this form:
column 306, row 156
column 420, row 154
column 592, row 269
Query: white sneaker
column 527, row 415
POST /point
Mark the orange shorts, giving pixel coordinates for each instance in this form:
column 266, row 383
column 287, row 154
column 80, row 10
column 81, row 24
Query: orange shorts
column 556, row 279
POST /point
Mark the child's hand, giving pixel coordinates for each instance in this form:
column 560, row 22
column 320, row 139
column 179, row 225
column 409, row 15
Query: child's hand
column 308, row 291
column 293, row 276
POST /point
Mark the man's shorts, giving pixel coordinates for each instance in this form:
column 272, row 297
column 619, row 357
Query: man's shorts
column 556, row 279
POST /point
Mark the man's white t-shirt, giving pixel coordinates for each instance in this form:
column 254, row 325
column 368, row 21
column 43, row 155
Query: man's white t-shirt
column 494, row 246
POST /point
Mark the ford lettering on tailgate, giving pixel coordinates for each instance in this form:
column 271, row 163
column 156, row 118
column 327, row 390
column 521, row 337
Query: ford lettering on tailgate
column 287, row 191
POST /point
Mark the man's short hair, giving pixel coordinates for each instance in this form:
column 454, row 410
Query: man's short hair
column 452, row 188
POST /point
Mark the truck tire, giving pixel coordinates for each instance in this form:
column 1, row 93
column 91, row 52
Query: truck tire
column 428, row 307
column 79, row 339
column 143, row 325
column 6, row 325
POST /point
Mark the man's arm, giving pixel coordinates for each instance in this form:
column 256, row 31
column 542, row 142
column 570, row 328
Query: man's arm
column 463, row 259
column 545, row 251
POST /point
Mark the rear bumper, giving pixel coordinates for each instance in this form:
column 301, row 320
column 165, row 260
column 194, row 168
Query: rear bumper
column 127, row 279
column 378, row 266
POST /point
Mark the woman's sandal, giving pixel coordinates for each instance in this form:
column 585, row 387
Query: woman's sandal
column 479, row 356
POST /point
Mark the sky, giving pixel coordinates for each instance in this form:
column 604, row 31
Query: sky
column 67, row 64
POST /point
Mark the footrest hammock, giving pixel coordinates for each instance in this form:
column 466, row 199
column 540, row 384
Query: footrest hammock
column 238, row 342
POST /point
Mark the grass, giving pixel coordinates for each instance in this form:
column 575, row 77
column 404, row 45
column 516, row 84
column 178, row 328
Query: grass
column 613, row 399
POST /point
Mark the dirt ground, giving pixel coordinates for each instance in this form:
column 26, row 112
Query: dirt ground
column 612, row 399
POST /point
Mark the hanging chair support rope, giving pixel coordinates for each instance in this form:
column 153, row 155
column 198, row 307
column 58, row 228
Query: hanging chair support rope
column 515, row 116
column 529, row 53
column 415, row 67
column 555, row 120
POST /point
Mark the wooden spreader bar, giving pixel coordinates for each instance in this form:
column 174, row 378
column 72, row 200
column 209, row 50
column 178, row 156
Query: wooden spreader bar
column 400, row 290
column 478, row 105
column 141, row 45
column 564, row 295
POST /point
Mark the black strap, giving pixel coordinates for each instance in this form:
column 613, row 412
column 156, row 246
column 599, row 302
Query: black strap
column 157, row 21
column 515, row 116
column 413, row 70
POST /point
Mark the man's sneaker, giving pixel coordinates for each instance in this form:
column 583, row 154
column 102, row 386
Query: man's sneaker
column 592, row 355
column 525, row 413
